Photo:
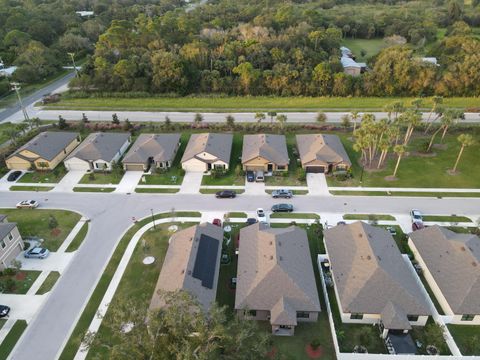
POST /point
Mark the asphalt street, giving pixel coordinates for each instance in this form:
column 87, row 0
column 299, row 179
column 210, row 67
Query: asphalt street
column 111, row 215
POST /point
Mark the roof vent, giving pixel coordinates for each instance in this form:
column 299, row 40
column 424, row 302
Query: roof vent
column 379, row 258
column 281, row 258
column 369, row 257
column 271, row 257
column 463, row 248
column 189, row 272
column 360, row 235
column 183, row 271
column 191, row 239
column 474, row 263
column 279, row 243
column 271, row 242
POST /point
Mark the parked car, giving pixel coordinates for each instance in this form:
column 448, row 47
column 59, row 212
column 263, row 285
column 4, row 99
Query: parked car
column 4, row 310
column 30, row 204
column 36, row 252
column 225, row 194
column 14, row 175
column 261, row 216
column 417, row 225
column 391, row 230
column 217, row 222
column 416, row 215
column 341, row 223
column 250, row 176
column 251, row 221
column 260, row 177
column 282, row 208
column 282, row 193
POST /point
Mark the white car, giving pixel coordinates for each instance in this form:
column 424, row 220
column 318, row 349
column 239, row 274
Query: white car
column 416, row 215
column 262, row 216
column 29, row 204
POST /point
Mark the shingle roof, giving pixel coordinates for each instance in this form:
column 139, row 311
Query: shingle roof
column 394, row 317
column 159, row 146
column 218, row 145
column 2, row 217
column 270, row 147
column 178, row 266
column 323, row 148
column 5, row 228
column 454, row 261
column 275, row 272
column 48, row 144
column 100, row 146
column 369, row 271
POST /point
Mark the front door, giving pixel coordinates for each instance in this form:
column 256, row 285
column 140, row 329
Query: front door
column 209, row 167
column 270, row 167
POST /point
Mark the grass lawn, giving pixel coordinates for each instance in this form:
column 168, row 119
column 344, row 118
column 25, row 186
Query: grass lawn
column 4, row 127
column 371, row 217
column 235, row 214
column 446, row 218
column 371, row 47
column 282, row 215
column 463, row 230
column 36, row 223
column 213, row 191
column 467, row 338
column 246, row 104
column 11, row 339
column 77, row 241
column 93, row 189
column 44, row 176
column 49, row 282
column 404, row 193
column 157, row 190
column 112, row 177
column 421, row 171
column 420, row 333
column 22, row 281
column 230, row 178
column 2, row 322
column 30, row 188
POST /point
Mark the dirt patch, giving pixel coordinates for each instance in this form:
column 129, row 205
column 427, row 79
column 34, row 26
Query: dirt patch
column 313, row 353
column 390, row 178
column 453, row 173
column 272, row 353
column 20, row 276
column 424, row 154
column 56, row 232
column 440, row 146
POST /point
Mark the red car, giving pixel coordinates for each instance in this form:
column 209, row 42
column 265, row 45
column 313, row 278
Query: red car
column 417, row 225
column 217, row 222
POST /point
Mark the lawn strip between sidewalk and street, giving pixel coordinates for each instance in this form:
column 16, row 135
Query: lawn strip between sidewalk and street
column 77, row 241
column 11, row 339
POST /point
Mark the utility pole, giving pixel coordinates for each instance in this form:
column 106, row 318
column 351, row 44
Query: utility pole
column 16, row 87
column 72, row 56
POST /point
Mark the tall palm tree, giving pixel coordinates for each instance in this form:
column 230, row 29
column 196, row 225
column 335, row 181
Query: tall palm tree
column 12, row 134
column 259, row 116
column 354, row 115
column 282, row 119
column 399, row 150
column 36, row 122
column 466, row 140
column 384, row 147
column 436, row 101
column 23, row 127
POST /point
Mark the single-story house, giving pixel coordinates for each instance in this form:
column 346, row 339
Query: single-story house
column 321, row 153
column 265, row 152
column 450, row 263
column 351, row 67
column 192, row 264
column 99, row 151
column 275, row 279
column 11, row 243
column 372, row 280
column 207, row 151
column 157, row 150
column 44, row 152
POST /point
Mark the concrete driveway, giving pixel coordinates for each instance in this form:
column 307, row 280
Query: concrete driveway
column 69, row 181
column 191, row 182
column 254, row 188
column 129, row 182
column 317, row 184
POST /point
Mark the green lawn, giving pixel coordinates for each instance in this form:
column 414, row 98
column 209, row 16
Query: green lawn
column 49, row 283
column 371, row 217
column 53, row 176
column 4, row 127
column 282, row 215
column 446, row 218
column 101, row 178
column 235, row 214
column 30, row 188
column 22, row 281
column 463, row 230
column 156, row 190
column 404, row 193
column 93, row 189
column 371, row 47
column 467, row 338
column 11, row 339
column 36, row 223
column 77, row 241
column 247, row 104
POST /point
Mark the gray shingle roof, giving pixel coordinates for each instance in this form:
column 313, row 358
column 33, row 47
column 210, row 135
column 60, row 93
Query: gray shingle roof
column 454, row 261
column 270, row 147
column 48, row 144
column 100, row 146
column 394, row 317
column 5, row 228
column 218, row 145
column 369, row 271
column 159, row 146
column 322, row 148
column 275, row 272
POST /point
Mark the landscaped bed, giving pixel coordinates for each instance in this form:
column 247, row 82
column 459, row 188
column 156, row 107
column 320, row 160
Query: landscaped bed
column 17, row 282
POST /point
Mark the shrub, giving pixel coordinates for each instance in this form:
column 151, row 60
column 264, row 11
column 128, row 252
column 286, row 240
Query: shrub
column 52, row 222
column 10, row 271
column 9, row 285
column 301, row 174
column 91, row 176
column 315, row 343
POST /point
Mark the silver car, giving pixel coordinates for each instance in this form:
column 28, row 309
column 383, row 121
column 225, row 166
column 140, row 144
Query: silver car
column 36, row 252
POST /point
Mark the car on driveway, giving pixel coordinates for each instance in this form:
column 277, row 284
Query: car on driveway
column 251, row 221
column 416, row 215
column 4, row 310
column 250, row 176
column 14, row 175
column 36, row 252
column 282, row 208
column 217, row 222
column 225, row 194
column 417, row 225
column 282, row 193
column 261, row 216
column 29, row 204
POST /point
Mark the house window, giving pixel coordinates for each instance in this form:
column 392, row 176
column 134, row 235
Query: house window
column 65, row 151
column 303, row 315
column 2, row 244
column 281, row 167
column 160, row 164
column 42, row 165
column 252, row 313
column 412, row 317
column 10, row 236
column 468, row 317
column 355, row 316
column 219, row 166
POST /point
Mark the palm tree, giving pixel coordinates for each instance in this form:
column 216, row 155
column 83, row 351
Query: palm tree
column 399, row 150
column 436, row 101
column 259, row 116
column 198, row 118
column 413, row 119
column 447, row 120
column 282, row 119
column 36, row 121
column 384, row 147
column 346, row 121
column 23, row 127
column 321, row 118
column 466, row 140
column 354, row 115
column 12, row 134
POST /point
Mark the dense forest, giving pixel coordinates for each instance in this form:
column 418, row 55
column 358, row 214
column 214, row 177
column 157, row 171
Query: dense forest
column 243, row 47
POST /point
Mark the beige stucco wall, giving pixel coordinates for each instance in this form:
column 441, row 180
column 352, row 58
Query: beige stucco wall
column 16, row 163
column 260, row 163
column 13, row 248
column 198, row 165
column 350, row 70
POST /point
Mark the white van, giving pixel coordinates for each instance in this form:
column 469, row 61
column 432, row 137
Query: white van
column 259, row 177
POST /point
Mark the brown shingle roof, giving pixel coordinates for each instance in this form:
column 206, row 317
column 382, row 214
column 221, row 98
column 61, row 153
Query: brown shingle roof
column 218, row 145
column 161, row 147
column 454, row 261
column 268, row 146
column 326, row 149
column 275, row 272
column 369, row 271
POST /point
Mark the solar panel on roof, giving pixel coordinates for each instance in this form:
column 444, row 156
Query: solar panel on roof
column 206, row 260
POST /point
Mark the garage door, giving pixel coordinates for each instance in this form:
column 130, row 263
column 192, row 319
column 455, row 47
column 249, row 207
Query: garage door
column 134, row 167
column 315, row 169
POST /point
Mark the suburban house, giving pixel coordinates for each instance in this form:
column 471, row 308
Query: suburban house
column 450, row 263
column 192, row 264
column 350, row 66
column 372, row 280
column 265, row 152
column 275, row 279
column 11, row 243
column 152, row 150
column 321, row 153
column 44, row 152
column 98, row 152
column 207, row 151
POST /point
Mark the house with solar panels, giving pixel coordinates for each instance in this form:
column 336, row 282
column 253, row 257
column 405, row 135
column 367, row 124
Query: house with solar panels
column 192, row 264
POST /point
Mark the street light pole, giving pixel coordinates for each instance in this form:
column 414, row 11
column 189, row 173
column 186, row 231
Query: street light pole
column 72, row 55
column 153, row 219
column 16, row 87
